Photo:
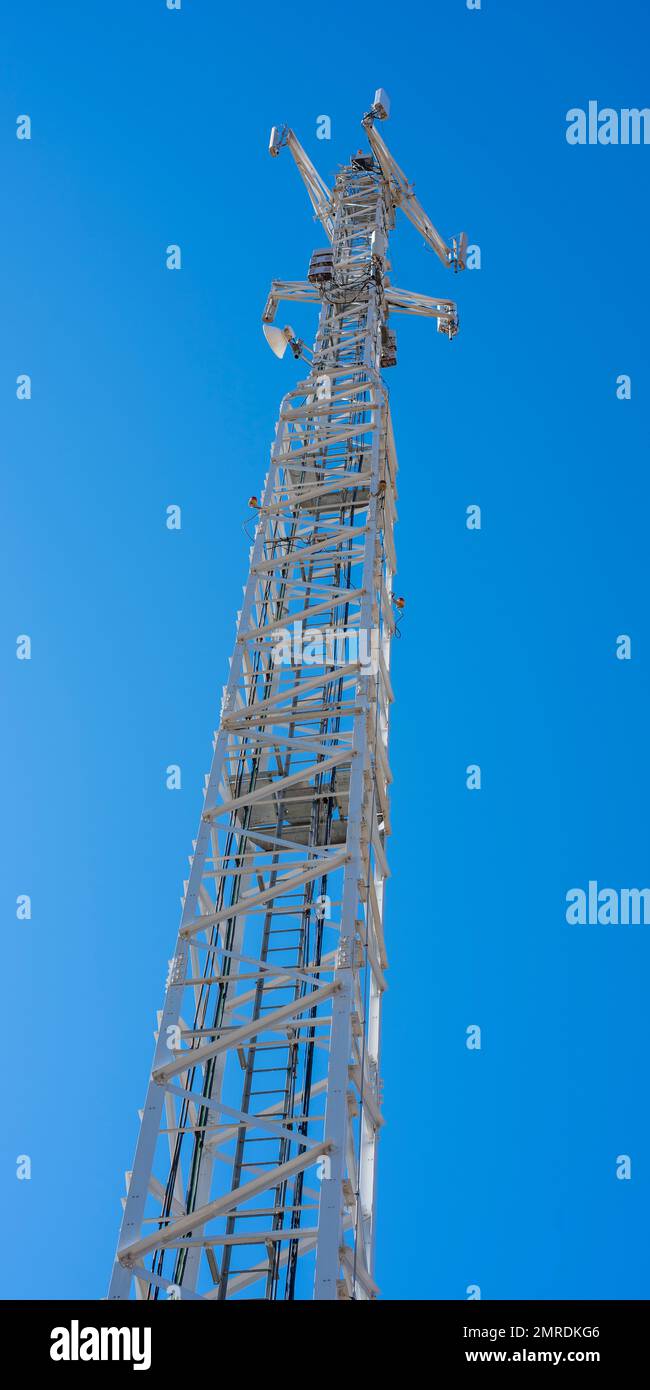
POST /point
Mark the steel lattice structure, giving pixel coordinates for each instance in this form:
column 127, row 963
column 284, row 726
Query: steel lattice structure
column 255, row 1168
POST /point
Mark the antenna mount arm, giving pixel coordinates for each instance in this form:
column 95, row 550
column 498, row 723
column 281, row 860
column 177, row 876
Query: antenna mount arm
column 319, row 194
column 404, row 197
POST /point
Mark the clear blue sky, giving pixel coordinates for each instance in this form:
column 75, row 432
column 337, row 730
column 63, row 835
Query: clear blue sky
column 150, row 127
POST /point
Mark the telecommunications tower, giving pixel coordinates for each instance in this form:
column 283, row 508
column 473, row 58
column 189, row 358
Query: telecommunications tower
column 255, row 1168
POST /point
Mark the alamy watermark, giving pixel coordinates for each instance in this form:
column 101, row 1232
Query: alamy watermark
column 627, row 907
column 79, row 1343
column 329, row 646
column 606, row 126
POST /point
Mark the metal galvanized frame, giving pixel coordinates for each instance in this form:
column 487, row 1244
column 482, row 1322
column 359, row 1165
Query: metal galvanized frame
column 255, row 1167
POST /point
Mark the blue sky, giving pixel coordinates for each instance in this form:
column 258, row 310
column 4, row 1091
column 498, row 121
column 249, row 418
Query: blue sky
column 150, row 127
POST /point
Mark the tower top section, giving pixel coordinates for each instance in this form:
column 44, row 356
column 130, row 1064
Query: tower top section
column 399, row 190
column 370, row 174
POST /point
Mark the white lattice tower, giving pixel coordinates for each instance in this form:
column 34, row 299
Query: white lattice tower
column 255, row 1168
